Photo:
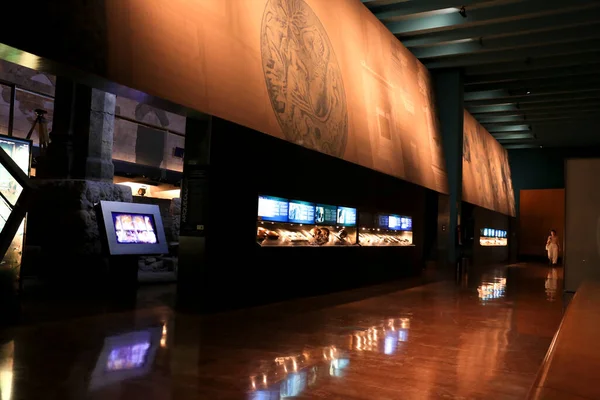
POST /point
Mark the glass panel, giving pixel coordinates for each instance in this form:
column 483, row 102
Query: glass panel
column 25, row 115
column 20, row 152
column 5, row 93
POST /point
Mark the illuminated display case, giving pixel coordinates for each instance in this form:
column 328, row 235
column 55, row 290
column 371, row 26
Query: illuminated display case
column 489, row 237
column 20, row 151
column 385, row 230
column 284, row 222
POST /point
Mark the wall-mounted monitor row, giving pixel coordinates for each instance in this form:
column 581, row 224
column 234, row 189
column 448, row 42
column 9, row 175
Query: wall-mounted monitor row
column 491, row 233
column 385, row 230
column 284, row 222
column 277, row 209
column 493, row 237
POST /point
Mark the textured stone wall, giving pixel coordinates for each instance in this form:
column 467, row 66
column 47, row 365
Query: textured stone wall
column 63, row 221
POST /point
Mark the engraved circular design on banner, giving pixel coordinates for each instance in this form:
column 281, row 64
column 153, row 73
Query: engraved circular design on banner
column 303, row 77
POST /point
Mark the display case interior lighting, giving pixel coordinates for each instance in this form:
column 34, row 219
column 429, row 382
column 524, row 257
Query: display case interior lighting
column 145, row 190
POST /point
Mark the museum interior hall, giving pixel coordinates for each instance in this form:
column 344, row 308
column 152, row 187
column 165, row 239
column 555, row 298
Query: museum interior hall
column 303, row 199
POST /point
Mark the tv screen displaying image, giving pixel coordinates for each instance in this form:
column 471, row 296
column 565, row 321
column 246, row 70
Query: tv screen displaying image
column 274, row 209
column 383, row 221
column 301, row 212
column 131, row 228
column 346, row 216
column 134, row 228
column 325, row 215
column 400, row 223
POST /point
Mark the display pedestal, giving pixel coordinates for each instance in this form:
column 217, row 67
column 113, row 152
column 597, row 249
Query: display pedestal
column 122, row 281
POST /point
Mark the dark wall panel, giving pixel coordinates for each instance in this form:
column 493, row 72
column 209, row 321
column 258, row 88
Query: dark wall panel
column 476, row 218
column 246, row 163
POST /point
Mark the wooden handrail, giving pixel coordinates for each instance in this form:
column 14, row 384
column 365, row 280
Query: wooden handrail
column 569, row 370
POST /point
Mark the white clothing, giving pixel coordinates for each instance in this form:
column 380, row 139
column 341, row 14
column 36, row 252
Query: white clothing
column 553, row 253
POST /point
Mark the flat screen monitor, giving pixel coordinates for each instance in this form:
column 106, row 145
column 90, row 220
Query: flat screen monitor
column 125, row 356
column 134, row 228
column 301, row 212
column 274, row 209
column 346, row 216
column 400, row 223
column 325, row 214
column 493, row 233
column 383, row 221
column 131, row 228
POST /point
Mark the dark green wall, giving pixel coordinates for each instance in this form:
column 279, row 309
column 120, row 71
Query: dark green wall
column 543, row 168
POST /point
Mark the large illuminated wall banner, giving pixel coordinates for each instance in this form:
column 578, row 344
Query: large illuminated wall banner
column 324, row 74
column 487, row 179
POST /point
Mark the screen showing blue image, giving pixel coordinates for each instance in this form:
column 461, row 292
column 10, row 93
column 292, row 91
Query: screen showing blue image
column 406, row 224
column 273, row 209
column 325, row 215
column 301, row 212
column 399, row 223
column 346, row 216
column 383, row 221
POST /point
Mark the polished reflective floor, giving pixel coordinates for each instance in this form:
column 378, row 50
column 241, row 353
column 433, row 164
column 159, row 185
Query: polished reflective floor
column 483, row 339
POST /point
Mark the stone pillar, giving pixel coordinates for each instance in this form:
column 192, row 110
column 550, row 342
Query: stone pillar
column 82, row 134
column 73, row 176
column 449, row 93
column 98, row 163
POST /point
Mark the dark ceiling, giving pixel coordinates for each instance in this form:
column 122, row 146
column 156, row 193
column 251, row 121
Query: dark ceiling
column 532, row 67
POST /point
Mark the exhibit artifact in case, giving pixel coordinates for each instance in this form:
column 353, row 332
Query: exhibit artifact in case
column 283, row 222
column 493, row 237
column 386, row 230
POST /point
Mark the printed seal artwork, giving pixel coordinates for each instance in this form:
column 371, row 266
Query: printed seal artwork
column 303, row 77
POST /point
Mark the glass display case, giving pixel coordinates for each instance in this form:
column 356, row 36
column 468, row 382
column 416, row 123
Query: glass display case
column 489, row 237
column 283, row 222
column 10, row 190
column 385, row 230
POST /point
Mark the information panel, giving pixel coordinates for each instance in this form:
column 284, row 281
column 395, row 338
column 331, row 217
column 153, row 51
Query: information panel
column 400, row 223
column 272, row 209
column 325, row 214
column 383, row 221
column 493, row 233
column 301, row 212
column 346, row 216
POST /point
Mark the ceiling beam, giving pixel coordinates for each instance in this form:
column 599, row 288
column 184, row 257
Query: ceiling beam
column 563, row 49
column 514, row 136
column 499, row 13
column 528, row 116
column 494, row 119
column 521, row 146
column 483, row 44
column 534, row 64
column 570, row 18
column 520, row 100
column 558, row 89
column 543, row 119
column 399, row 10
column 534, row 85
column 537, row 75
column 552, row 106
column 508, row 128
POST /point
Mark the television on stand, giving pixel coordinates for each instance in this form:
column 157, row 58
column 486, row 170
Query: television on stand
column 131, row 229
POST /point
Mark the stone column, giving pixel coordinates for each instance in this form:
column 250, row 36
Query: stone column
column 82, row 135
column 73, row 176
column 449, row 93
column 98, row 163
